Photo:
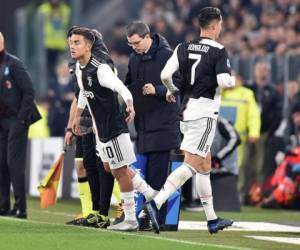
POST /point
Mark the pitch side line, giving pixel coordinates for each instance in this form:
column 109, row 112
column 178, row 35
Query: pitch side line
column 132, row 234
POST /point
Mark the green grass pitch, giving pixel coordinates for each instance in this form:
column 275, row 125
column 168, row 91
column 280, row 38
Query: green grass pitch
column 45, row 230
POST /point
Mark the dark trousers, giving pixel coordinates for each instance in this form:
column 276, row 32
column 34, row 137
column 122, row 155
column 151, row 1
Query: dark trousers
column 101, row 183
column 157, row 171
column 13, row 143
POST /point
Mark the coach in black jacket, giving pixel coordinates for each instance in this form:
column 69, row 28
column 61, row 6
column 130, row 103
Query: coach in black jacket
column 17, row 113
column 157, row 123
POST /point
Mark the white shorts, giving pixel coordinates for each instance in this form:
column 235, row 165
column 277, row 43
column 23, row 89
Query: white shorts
column 117, row 152
column 198, row 135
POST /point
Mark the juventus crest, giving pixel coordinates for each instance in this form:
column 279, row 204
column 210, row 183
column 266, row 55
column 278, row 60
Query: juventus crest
column 89, row 78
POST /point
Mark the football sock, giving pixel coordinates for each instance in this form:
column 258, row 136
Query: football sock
column 85, row 196
column 117, row 192
column 128, row 205
column 174, row 181
column 203, row 187
column 142, row 187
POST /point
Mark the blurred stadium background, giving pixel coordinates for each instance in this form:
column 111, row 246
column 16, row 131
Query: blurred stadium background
column 254, row 31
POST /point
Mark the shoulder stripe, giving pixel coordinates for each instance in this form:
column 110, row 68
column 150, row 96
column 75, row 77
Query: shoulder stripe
column 95, row 64
column 212, row 43
column 95, row 60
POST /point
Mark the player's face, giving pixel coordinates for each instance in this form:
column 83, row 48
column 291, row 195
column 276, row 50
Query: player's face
column 139, row 44
column 78, row 46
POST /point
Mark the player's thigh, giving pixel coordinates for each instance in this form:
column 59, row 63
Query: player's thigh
column 119, row 151
column 197, row 140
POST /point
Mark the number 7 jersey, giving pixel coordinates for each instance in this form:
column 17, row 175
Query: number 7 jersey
column 200, row 61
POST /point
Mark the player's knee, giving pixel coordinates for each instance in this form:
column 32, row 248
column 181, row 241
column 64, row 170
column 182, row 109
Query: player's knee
column 120, row 172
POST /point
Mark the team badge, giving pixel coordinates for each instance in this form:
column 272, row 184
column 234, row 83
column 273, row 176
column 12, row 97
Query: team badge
column 89, row 81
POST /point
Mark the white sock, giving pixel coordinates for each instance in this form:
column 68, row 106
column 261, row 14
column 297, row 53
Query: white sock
column 140, row 185
column 203, row 187
column 128, row 205
column 174, row 181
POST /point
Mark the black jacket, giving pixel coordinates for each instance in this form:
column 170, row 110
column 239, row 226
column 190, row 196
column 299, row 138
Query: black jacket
column 157, row 130
column 270, row 104
column 16, row 91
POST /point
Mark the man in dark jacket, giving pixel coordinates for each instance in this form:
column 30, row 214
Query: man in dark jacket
column 17, row 113
column 157, row 121
column 269, row 103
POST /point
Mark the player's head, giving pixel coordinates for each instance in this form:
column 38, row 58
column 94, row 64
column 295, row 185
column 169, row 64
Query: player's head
column 138, row 36
column 210, row 19
column 80, row 41
column 1, row 42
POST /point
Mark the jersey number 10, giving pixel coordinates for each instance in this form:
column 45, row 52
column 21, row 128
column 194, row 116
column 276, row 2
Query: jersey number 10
column 196, row 57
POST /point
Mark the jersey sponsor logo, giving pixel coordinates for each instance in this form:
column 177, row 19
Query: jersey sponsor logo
column 90, row 82
column 198, row 47
column 88, row 94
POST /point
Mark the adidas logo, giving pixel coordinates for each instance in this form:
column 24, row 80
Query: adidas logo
column 112, row 162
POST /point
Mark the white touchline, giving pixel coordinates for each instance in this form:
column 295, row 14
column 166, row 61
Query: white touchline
column 201, row 225
column 290, row 240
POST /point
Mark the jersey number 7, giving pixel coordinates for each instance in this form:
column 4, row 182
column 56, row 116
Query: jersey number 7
column 196, row 57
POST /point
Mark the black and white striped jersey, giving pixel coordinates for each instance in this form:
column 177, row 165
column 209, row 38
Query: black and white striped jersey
column 200, row 61
column 204, row 67
column 99, row 88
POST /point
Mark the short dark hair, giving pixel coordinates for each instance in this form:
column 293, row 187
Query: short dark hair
column 295, row 108
column 137, row 28
column 85, row 32
column 207, row 15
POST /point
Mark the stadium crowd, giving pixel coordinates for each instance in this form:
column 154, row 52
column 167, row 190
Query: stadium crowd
column 251, row 27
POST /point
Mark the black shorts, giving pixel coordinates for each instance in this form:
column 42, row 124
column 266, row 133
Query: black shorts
column 79, row 150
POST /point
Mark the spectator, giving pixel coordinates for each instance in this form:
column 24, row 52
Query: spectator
column 60, row 94
column 269, row 103
column 56, row 16
column 240, row 108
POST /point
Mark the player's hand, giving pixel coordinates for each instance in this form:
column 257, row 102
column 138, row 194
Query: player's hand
column 149, row 89
column 76, row 126
column 131, row 112
column 170, row 97
column 106, row 167
column 68, row 138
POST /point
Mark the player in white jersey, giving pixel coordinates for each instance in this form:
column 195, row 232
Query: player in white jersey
column 204, row 67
